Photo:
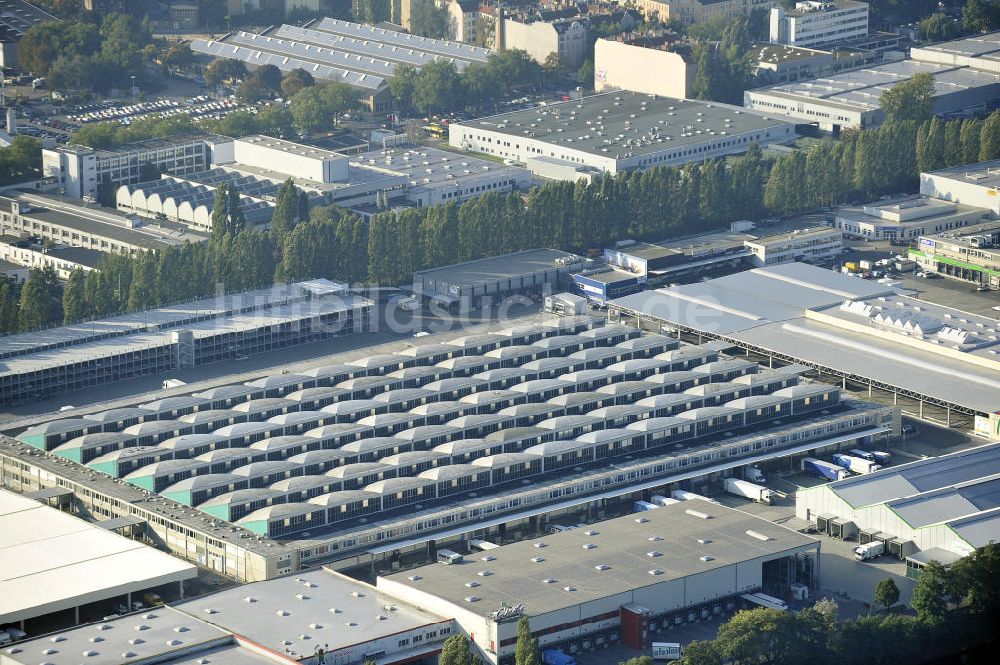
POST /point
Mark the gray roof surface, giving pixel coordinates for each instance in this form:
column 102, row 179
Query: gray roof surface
column 308, row 599
column 621, row 543
column 107, row 223
column 983, row 174
column 920, row 476
column 978, row 530
column 495, row 268
column 767, row 308
column 116, row 638
column 949, row 503
column 862, row 89
column 587, row 124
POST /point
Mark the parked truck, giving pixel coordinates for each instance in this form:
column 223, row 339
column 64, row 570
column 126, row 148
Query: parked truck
column 869, row 551
column 557, row 657
column 882, row 457
column 754, row 475
column 684, row 495
column 863, row 454
column 855, row 464
column 749, row 490
column 821, row 469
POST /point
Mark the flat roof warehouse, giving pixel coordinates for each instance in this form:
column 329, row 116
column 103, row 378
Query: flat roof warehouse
column 620, row 122
column 585, row 564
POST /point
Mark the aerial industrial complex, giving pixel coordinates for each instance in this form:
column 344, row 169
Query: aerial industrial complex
column 375, row 457
column 618, row 131
column 849, row 330
column 965, row 74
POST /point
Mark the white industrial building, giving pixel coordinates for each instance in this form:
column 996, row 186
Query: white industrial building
column 619, row 131
column 813, row 245
column 68, row 222
column 81, row 171
column 970, row 184
column 649, row 65
column 256, row 167
column 619, row 579
column 433, row 177
column 907, row 218
column 295, row 159
column 852, row 99
column 942, row 507
column 51, row 561
column 817, row 23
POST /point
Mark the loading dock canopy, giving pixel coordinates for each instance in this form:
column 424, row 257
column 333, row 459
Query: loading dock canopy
column 52, row 561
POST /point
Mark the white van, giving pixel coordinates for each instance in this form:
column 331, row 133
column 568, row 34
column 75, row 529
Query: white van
column 449, row 557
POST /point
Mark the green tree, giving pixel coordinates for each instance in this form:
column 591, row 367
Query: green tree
column 309, row 111
column 585, row 75
column 74, row 297
column 700, row 652
column 296, row 80
column 886, row 593
column 910, row 100
column 401, row 85
column 526, row 651
column 40, row 299
column 637, row 660
column 455, row 651
column 989, row 138
column 427, row 19
column 142, row 294
column 227, row 218
column 437, row 87
column 43, row 43
column 179, row 56
column 969, row 139
column 981, row 15
column 931, row 593
column 286, row 210
column 974, row 578
column 939, row 27
column 224, row 69
column 9, row 297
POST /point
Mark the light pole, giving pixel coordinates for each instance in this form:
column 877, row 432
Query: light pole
column 133, row 88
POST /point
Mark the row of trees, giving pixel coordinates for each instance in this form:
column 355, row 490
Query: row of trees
column 658, row 203
column 439, row 87
column 956, row 610
column 82, row 55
